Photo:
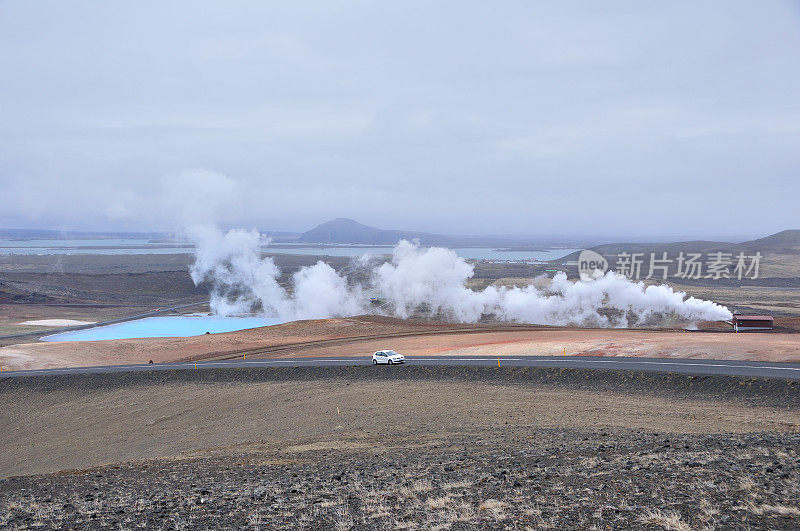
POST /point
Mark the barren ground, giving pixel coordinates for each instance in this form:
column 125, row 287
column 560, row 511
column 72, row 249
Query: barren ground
column 352, row 335
column 399, row 449
column 97, row 288
column 13, row 315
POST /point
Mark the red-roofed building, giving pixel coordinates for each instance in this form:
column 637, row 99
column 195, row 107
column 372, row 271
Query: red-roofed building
column 752, row 322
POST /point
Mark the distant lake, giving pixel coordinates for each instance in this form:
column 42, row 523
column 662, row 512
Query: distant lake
column 141, row 246
column 476, row 253
column 110, row 246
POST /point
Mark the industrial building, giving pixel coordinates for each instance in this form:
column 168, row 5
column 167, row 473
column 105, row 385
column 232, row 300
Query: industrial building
column 743, row 323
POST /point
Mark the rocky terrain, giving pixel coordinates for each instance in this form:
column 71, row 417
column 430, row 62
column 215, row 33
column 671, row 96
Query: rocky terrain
column 416, row 448
column 503, row 478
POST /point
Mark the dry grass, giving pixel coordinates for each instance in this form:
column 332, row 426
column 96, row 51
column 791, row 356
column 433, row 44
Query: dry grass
column 380, row 510
column 343, row 520
column 746, row 483
column 462, row 484
column 590, row 462
column 463, row 512
column 782, row 510
column 668, row 520
column 707, row 511
column 493, row 507
column 421, row 486
column 254, row 520
column 440, row 502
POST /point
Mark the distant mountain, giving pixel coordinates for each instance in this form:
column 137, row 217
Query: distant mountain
column 348, row 231
column 785, row 242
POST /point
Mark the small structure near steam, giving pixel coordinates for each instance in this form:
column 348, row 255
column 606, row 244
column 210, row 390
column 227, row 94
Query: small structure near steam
column 743, row 323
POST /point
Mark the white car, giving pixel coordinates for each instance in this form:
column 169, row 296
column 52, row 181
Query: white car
column 388, row 357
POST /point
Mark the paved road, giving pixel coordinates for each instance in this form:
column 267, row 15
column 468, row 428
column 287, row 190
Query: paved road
column 685, row 366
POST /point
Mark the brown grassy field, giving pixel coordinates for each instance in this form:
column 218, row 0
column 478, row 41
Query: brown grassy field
column 78, row 428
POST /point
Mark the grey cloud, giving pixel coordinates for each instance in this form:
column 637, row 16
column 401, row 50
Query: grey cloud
column 616, row 119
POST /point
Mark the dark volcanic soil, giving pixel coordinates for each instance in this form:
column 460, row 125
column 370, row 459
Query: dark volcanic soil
column 502, row 479
column 413, row 448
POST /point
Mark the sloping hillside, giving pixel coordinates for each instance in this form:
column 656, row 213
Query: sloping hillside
column 785, row 242
column 348, row 231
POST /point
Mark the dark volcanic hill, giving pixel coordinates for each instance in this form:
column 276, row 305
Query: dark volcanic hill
column 348, row 231
column 781, row 241
column 786, row 243
column 343, row 230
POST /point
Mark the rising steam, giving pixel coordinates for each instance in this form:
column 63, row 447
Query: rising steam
column 242, row 282
column 430, row 280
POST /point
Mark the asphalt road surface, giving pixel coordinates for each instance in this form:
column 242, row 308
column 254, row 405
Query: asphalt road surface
column 756, row 369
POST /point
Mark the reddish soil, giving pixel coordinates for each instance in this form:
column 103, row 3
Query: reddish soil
column 360, row 336
column 583, row 342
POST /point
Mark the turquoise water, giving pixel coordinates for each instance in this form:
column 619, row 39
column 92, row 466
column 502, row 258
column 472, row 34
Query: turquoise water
column 165, row 327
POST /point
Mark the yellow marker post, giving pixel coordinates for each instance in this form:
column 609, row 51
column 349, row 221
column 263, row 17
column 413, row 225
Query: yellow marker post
column 244, row 356
column 195, row 365
column 565, row 352
column 498, row 361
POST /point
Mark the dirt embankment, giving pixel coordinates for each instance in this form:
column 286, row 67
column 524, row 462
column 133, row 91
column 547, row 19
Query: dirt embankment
column 56, row 422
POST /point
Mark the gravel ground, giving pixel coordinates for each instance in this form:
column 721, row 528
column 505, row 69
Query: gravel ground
column 512, row 479
column 416, row 448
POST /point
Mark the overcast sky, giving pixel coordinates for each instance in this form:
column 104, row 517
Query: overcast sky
column 638, row 119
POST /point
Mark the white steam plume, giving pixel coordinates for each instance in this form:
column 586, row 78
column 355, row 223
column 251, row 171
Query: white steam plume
column 319, row 291
column 432, row 280
column 242, row 282
column 581, row 303
column 435, row 277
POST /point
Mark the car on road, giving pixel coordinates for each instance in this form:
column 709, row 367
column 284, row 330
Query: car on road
column 387, row 357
